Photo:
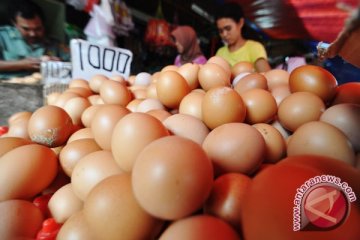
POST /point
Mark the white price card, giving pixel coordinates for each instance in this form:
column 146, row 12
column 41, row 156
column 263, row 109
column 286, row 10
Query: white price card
column 89, row 59
column 56, row 72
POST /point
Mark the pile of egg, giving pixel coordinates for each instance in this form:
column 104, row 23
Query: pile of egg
column 192, row 152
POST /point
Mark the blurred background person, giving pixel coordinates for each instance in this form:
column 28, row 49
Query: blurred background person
column 24, row 44
column 187, row 45
column 230, row 22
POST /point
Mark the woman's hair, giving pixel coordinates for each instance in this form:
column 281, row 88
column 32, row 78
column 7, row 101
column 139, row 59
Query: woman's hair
column 229, row 10
column 26, row 9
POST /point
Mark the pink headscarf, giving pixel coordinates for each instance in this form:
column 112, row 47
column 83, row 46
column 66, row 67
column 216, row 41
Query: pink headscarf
column 186, row 36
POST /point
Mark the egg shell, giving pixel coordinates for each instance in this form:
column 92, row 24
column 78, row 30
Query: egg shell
column 222, row 105
column 250, row 81
column 191, row 104
column 260, row 106
column 347, row 93
column 280, row 92
column 187, row 126
column 172, row 177
column 104, row 121
column 221, row 62
column 75, row 108
column 19, row 219
column 143, row 79
column 276, row 77
column 314, row 79
column 321, row 139
column 112, row 92
column 111, row 208
column 346, row 117
column 190, row 72
column 96, row 81
column 79, row 82
column 75, row 228
column 9, row 143
column 23, row 115
column 81, row 91
column 90, row 170
column 50, row 125
column 151, row 91
column 81, row 134
column 299, row 108
column 88, row 114
column 193, row 228
column 23, row 178
column 131, row 134
column 133, row 104
column 275, row 142
column 213, row 75
column 235, row 147
column 241, row 67
column 149, row 104
column 72, row 152
column 64, row 203
column 169, row 68
column 63, row 98
column 171, row 87
column 226, row 198
column 160, row 114
column 19, row 128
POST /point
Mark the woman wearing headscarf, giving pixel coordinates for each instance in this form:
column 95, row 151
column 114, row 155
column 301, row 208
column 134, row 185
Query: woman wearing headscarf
column 187, row 45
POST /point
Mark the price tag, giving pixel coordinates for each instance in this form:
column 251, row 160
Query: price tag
column 56, row 72
column 89, row 59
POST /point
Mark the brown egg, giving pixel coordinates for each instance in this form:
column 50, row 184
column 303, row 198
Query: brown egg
column 19, row 127
column 226, row 198
column 221, row 62
column 299, row 108
column 260, row 106
column 169, row 68
column 75, row 108
column 120, row 79
column 9, row 143
column 52, row 98
column 79, row 82
column 139, row 93
column 187, row 126
column 222, row 105
column 347, row 93
column 171, row 87
column 160, row 114
column 235, row 147
column 314, row 79
column 19, row 219
column 192, row 227
column 22, row 173
column 81, row 134
column 346, row 117
column 104, row 121
column 241, row 67
column 151, row 91
column 133, row 104
column 50, row 125
column 251, row 81
column 321, row 139
column 172, row 177
column 191, row 104
column 280, row 92
column 73, row 151
column 284, row 132
column 19, row 116
column 64, row 203
column 95, row 99
column 96, row 81
column 131, row 80
column 274, row 141
column 213, row 75
column 149, row 104
column 238, row 77
column 75, row 228
column 115, row 93
column 88, row 114
column 90, row 170
column 190, row 72
column 82, row 92
column 112, row 212
column 63, row 98
column 131, row 134
column 276, row 77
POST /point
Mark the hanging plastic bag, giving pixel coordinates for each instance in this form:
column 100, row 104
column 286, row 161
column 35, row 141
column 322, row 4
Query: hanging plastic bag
column 99, row 28
column 122, row 18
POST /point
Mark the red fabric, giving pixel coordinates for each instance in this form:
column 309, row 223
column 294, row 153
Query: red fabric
column 318, row 20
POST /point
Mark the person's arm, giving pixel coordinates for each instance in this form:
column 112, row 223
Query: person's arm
column 26, row 64
column 262, row 65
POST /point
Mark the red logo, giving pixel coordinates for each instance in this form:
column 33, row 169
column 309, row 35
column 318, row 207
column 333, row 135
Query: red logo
column 325, row 207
